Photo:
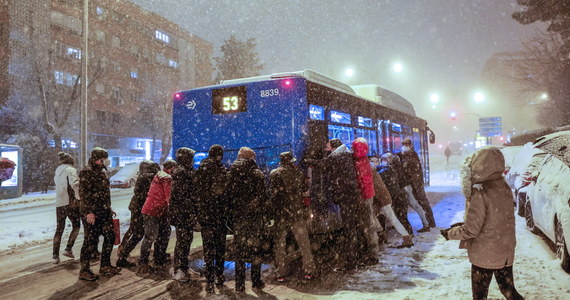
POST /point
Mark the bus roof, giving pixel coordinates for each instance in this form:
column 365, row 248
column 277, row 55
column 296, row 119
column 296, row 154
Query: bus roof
column 307, row 74
column 384, row 97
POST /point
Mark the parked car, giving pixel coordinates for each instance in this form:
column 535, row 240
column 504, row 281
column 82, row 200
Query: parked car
column 126, row 176
column 524, row 183
column 510, row 153
column 520, row 163
column 547, row 207
column 556, row 143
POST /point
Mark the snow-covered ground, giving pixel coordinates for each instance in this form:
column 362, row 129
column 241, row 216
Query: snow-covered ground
column 432, row 269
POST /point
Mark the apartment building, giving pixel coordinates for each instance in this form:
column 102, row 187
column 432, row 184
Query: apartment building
column 137, row 60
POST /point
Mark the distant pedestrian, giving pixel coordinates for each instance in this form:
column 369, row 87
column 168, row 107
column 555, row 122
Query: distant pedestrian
column 287, row 190
column 97, row 214
column 155, row 215
column 249, row 207
column 67, row 205
column 447, row 153
column 212, row 206
column 414, row 179
column 135, row 233
column 488, row 232
column 183, row 211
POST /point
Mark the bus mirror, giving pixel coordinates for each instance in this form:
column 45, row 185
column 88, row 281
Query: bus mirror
column 431, row 136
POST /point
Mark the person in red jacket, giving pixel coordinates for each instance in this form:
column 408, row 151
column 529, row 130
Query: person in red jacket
column 156, row 225
column 366, row 185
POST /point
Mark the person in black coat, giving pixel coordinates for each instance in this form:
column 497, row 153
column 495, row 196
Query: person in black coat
column 135, row 233
column 399, row 201
column 212, row 206
column 96, row 214
column 249, row 207
column 182, row 211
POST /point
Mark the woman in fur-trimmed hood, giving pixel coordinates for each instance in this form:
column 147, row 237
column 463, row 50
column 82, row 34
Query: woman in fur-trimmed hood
column 488, row 232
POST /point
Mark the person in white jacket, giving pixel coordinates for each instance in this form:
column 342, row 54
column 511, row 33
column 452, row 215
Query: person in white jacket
column 66, row 203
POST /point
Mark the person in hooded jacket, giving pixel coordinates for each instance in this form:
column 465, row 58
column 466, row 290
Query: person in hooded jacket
column 413, row 180
column 212, row 207
column 182, row 211
column 287, row 190
column 155, row 215
column 135, row 233
column 66, row 193
column 342, row 189
column 249, row 207
column 488, row 232
column 97, row 214
column 369, row 222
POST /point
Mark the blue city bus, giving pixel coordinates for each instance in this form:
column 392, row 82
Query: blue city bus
column 298, row 112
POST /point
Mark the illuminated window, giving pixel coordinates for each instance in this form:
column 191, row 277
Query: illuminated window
column 172, row 63
column 345, row 134
column 58, row 75
column 316, row 112
column 340, row 117
column 365, row 122
column 100, row 11
column 75, row 53
column 134, row 74
column 162, row 36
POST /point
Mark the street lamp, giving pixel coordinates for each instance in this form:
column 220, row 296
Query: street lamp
column 398, row 67
column 434, row 98
column 349, row 72
column 479, row 97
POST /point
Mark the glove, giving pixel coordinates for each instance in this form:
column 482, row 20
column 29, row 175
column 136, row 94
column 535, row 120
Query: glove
column 456, row 224
column 445, row 233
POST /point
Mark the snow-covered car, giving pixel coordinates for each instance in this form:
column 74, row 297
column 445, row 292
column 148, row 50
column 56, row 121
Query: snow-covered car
column 510, row 153
column 126, row 176
column 520, row 163
column 556, row 143
column 524, row 183
column 547, row 206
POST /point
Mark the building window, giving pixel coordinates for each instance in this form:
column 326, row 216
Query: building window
column 134, row 97
column 70, row 79
column 100, row 35
column 115, row 41
column 100, row 88
column 58, row 77
column 116, row 95
column 75, row 53
column 172, row 63
column 134, row 74
column 100, row 11
column 162, row 36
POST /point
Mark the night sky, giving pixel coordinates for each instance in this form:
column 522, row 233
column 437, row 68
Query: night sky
column 442, row 44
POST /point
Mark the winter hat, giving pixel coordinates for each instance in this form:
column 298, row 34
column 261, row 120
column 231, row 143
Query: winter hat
column 145, row 165
column 335, row 143
column 246, row 152
column 407, row 142
column 390, row 158
column 65, row 158
column 169, row 164
column 216, row 150
column 185, row 156
column 287, row 158
column 98, row 153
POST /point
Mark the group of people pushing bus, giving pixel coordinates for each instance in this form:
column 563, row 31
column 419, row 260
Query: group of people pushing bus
column 216, row 198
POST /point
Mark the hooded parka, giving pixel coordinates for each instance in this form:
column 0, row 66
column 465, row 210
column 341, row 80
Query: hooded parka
column 489, row 228
column 363, row 170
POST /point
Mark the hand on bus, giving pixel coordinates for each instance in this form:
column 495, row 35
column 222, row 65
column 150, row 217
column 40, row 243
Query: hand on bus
column 91, row 218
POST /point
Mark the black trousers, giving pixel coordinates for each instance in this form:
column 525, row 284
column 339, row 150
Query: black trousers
column 157, row 232
column 133, row 236
column 400, row 207
column 184, row 237
column 103, row 226
column 247, row 243
column 420, row 195
column 481, row 278
column 214, row 240
column 62, row 213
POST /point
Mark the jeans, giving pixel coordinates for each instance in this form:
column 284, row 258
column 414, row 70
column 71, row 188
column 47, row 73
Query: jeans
column 157, row 231
column 301, row 234
column 391, row 216
column 62, row 213
column 413, row 201
column 133, row 236
column 481, row 278
column 184, row 237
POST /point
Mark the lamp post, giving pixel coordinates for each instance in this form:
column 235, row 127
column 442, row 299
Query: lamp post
column 84, row 62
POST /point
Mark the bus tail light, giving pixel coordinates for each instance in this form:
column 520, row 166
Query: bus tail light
column 177, row 96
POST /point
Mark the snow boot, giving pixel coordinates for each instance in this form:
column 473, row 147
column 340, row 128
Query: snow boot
column 109, row 270
column 179, row 275
column 407, row 242
column 55, row 260
column 124, row 263
column 87, row 275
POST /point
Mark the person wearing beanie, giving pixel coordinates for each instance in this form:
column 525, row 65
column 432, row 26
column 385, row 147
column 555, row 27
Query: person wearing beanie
column 96, row 214
column 182, row 212
column 155, row 214
column 66, row 203
column 212, row 207
column 135, row 233
column 247, row 195
column 288, row 187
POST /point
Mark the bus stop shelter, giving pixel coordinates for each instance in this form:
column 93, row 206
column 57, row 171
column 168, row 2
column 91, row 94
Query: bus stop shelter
column 12, row 188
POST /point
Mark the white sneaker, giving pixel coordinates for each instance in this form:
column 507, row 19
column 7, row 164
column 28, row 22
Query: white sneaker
column 68, row 254
column 55, row 260
column 180, row 275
